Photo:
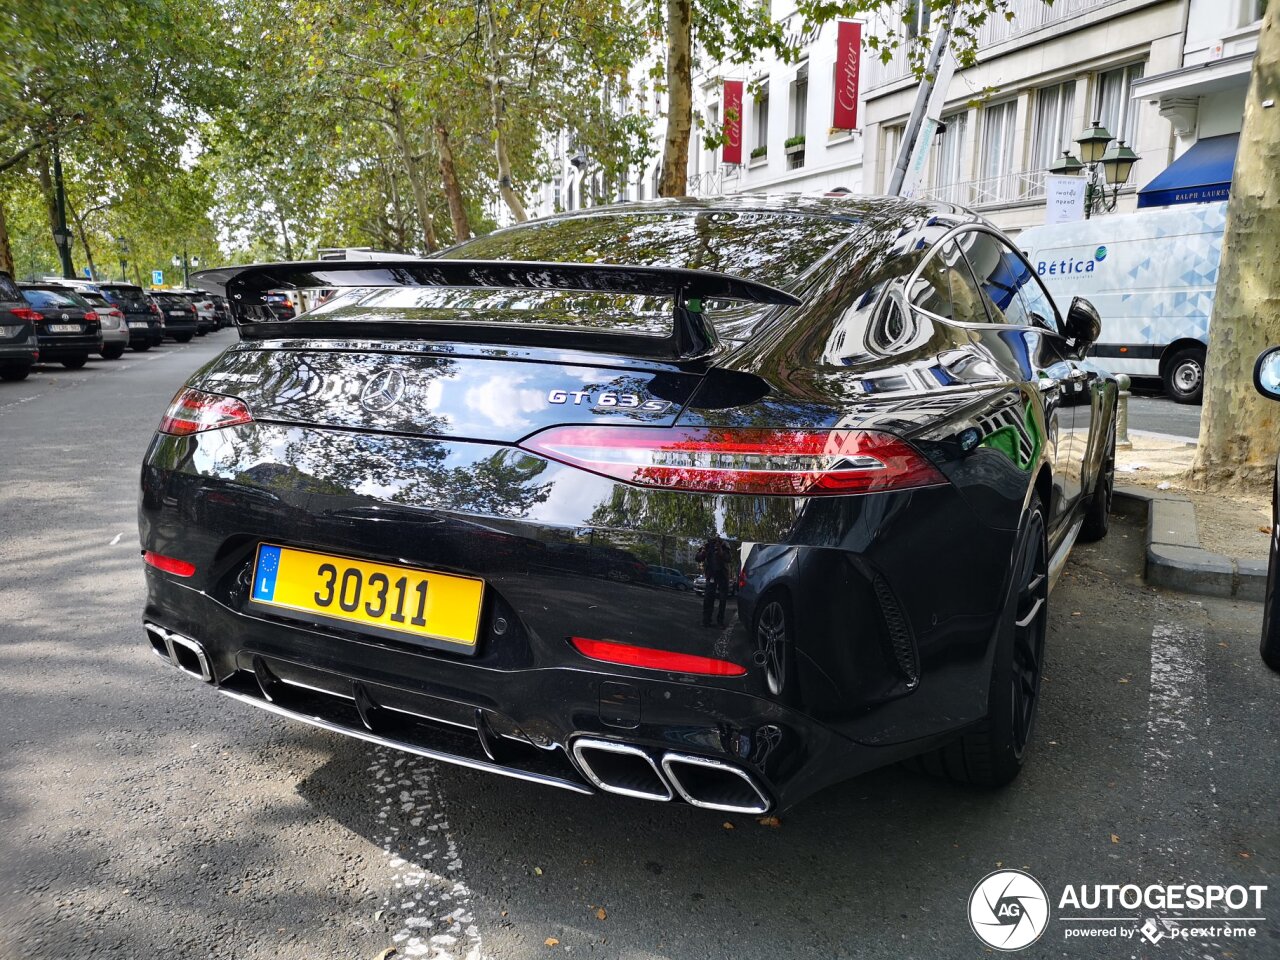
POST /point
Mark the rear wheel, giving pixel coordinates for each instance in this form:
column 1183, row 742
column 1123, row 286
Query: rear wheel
column 140, row 347
column 75, row 363
column 182, row 337
column 1097, row 518
column 14, row 373
column 1184, row 375
column 992, row 755
column 113, row 352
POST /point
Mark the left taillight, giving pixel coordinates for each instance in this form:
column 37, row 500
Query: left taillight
column 194, row 411
column 753, row 461
column 26, row 313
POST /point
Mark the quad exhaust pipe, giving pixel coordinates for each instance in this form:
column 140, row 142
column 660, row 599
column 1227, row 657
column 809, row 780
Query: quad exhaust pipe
column 179, row 651
column 630, row 771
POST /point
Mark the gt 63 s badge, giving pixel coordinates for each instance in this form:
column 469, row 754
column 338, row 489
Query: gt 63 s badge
column 625, row 401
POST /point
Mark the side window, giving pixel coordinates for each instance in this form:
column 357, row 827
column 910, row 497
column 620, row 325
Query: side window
column 1009, row 288
column 945, row 287
column 1040, row 305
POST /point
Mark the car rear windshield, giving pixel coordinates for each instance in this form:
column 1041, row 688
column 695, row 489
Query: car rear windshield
column 9, row 292
column 95, row 299
column 768, row 247
column 172, row 299
column 772, row 248
column 133, row 299
column 53, row 298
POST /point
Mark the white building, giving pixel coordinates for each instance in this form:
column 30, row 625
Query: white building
column 1158, row 74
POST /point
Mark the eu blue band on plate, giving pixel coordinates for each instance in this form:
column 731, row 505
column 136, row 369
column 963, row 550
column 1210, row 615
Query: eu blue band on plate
column 264, row 577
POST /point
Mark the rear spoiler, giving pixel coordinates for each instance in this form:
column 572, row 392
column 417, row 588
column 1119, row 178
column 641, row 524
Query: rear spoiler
column 691, row 336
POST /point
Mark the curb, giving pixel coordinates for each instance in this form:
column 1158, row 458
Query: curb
column 1174, row 557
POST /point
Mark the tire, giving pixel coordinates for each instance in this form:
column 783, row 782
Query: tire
column 75, row 363
column 993, row 753
column 1097, row 516
column 182, row 337
column 1184, row 375
column 113, row 352
column 1270, row 648
column 14, row 373
column 140, row 347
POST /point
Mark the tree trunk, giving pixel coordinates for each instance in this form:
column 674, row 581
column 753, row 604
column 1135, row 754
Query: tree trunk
column 675, row 151
column 497, row 104
column 284, row 233
column 452, row 189
column 414, row 174
column 84, row 240
column 6, row 250
column 1239, row 428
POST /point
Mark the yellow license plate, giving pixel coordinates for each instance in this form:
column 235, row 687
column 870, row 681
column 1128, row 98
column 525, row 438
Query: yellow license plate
column 383, row 598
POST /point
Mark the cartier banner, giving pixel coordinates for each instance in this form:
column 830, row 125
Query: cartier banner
column 732, row 151
column 848, row 62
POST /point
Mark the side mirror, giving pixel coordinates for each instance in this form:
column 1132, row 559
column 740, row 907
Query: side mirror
column 1266, row 374
column 1083, row 325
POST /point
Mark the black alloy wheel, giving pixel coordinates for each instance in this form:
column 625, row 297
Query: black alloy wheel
column 75, row 363
column 1030, row 627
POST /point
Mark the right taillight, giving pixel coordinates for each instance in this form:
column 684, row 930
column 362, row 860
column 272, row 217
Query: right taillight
column 753, row 461
column 194, row 411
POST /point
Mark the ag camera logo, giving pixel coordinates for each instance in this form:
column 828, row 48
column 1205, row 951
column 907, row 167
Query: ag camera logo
column 1008, row 910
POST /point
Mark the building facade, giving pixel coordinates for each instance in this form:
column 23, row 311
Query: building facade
column 1158, row 74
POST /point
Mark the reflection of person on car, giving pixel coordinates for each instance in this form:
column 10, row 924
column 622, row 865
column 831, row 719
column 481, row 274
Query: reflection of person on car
column 714, row 556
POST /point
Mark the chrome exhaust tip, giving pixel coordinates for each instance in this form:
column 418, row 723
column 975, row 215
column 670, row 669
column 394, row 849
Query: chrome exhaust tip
column 713, row 785
column 182, row 652
column 621, row 768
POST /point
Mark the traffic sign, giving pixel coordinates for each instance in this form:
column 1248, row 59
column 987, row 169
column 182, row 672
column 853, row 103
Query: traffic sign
column 157, row 278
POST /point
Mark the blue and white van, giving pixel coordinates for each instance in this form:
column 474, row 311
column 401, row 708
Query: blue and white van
column 1152, row 276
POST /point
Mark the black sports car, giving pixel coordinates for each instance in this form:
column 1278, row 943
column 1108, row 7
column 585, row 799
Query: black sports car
column 406, row 515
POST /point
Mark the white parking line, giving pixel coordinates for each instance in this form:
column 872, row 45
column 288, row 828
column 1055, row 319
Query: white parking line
column 428, row 898
column 1178, row 716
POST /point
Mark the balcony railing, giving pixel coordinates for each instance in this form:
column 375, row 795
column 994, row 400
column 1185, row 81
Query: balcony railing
column 991, row 191
column 1028, row 15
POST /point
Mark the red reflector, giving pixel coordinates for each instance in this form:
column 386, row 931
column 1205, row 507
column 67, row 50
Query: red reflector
column 610, row 652
column 194, row 411
column 788, row 463
column 179, row 568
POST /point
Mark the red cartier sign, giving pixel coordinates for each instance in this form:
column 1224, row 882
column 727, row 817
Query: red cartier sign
column 848, row 65
column 731, row 152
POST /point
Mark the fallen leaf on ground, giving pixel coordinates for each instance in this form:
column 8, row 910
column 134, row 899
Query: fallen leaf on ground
column 1245, row 854
column 1114, row 838
column 728, row 825
column 600, row 914
column 385, row 953
column 1123, row 680
column 537, row 871
column 551, row 942
column 769, row 822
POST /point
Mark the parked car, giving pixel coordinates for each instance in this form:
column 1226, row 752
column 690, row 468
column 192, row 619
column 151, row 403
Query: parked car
column 668, row 577
column 873, row 401
column 68, row 330
column 181, row 320
column 206, row 310
column 115, row 330
column 223, row 308
column 141, row 314
column 281, row 306
column 19, row 345
column 1266, row 379
column 1153, row 274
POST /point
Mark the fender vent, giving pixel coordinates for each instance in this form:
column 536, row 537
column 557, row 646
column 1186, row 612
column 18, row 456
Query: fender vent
column 898, row 632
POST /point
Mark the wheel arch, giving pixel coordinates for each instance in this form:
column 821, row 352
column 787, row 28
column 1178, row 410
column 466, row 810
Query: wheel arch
column 1176, row 347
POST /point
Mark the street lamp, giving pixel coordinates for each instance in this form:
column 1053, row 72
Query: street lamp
column 186, row 265
column 1105, row 162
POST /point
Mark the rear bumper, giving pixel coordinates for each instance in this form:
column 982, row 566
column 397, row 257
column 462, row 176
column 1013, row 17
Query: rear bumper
column 149, row 330
column 894, row 599
column 68, row 348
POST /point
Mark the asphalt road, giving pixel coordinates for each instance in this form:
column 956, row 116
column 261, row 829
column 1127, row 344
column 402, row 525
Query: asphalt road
column 141, row 815
column 1150, row 410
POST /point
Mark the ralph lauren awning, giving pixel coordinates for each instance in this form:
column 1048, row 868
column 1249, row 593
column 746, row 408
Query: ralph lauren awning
column 1201, row 175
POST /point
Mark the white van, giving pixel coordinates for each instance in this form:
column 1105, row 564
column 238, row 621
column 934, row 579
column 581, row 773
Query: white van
column 1152, row 276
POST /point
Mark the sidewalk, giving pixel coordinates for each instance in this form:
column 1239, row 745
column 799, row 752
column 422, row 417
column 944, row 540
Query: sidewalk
column 1236, row 525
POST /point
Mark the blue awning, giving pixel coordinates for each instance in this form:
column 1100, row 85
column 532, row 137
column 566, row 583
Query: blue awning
column 1201, row 175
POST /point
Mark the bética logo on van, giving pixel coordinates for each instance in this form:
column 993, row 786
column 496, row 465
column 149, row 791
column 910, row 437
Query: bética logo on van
column 1055, row 268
